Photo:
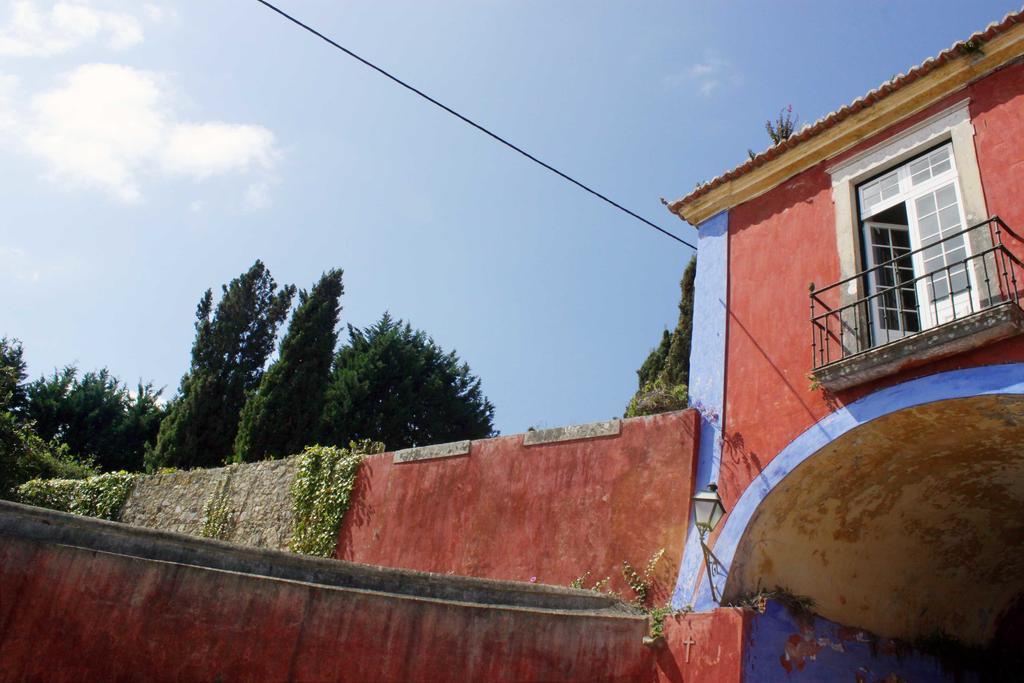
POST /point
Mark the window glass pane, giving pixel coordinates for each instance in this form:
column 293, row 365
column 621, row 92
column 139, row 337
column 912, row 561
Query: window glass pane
column 890, row 186
column 929, row 226
column 926, row 204
column 921, row 164
column 949, row 219
column 920, row 171
column 930, row 166
column 946, row 195
column 957, row 253
column 877, row 191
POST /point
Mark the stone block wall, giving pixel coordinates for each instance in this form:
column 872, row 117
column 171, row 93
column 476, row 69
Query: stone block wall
column 256, row 497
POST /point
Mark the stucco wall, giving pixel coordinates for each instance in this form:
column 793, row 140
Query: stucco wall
column 547, row 512
column 499, row 509
column 706, row 647
column 787, row 238
column 89, row 600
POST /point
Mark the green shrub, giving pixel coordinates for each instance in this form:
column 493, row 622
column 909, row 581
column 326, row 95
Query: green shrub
column 100, row 496
column 321, row 494
column 657, row 397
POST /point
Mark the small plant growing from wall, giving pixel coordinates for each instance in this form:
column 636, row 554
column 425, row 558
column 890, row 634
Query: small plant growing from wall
column 100, row 496
column 641, row 583
column 758, row 600
column 321, row 494
column 781, row 129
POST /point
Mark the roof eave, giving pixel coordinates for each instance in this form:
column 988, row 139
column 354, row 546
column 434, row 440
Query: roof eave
column 868, row 116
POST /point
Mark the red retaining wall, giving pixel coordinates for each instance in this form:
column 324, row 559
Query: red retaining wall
column 706, row 647
column 74, row 614
column 548, row 512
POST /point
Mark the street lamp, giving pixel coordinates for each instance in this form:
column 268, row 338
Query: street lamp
column 707, row 510
column 707, row 513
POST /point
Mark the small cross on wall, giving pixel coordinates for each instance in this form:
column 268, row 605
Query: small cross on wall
column 688, row 642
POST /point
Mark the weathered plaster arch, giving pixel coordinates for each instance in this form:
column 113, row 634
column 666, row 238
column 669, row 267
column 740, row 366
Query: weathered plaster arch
column 1007, row 379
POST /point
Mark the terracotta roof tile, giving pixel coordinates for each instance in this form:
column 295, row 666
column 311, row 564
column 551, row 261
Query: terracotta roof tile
column 831, row 119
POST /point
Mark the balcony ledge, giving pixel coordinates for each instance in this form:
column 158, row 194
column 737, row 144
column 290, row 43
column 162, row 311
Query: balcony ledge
column 995, row 323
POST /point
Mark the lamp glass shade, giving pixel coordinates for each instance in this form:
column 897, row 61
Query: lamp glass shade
column 707, row 510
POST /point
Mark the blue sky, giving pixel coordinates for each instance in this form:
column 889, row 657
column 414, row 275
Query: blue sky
column 151, row 150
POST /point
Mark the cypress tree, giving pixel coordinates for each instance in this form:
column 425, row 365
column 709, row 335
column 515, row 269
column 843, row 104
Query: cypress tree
column 677, row 361
column 654, row 364
column 282, row 416
column 665, row 374
column 231, row 346
column 395, row 385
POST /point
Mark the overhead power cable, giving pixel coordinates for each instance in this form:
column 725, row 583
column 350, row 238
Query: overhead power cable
column 471, row 122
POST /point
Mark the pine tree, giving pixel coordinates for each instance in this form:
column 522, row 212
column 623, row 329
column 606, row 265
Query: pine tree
column 231, row 347
column 281, row 418
column 665, row 374
column 395, row 385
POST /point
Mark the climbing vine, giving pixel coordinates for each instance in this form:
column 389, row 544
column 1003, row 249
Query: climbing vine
column 658, row 616
column 321, row 493
column 217, row 518
column 641, row 583
column 100, row 496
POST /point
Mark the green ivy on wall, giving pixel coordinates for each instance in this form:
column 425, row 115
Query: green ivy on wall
column 100, row 496
column 217, row 518
column 321, row 494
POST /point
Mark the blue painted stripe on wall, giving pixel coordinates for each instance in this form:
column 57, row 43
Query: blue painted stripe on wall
column 707, row 376
column 965, row 383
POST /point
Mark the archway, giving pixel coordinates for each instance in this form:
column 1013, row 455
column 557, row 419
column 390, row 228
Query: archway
column 907, row 525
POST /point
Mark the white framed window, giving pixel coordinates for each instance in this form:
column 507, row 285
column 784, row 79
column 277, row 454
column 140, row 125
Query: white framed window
column 912, row 223
column 926, row 169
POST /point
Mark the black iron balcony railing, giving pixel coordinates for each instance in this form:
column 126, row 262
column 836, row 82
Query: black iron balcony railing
column 900, row 303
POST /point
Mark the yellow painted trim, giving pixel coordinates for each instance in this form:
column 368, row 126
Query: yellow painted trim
column 870, row 121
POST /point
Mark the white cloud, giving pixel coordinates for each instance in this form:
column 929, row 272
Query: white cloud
column 257, row 196
column 706, row 76
column 15, row 263
column 701, row 70
column 33, row 32
column 8, row 86
column 203, row 149
column 99, row 128
column 109, row 127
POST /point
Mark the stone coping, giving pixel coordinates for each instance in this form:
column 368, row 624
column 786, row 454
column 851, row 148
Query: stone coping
column 49, row 526
column 535, row 437
column 591, row 430
column 435, row 452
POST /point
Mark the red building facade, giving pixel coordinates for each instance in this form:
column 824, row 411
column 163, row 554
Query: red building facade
column 857, row 358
